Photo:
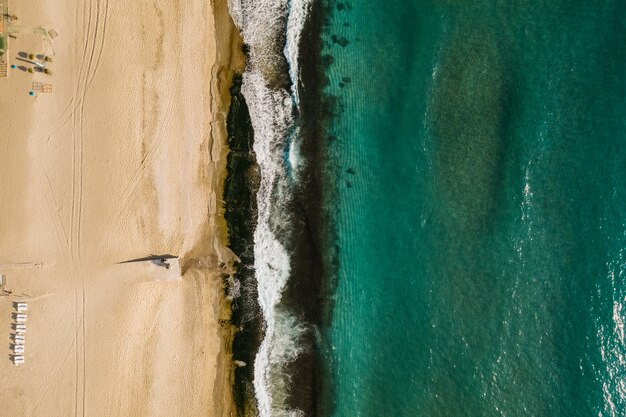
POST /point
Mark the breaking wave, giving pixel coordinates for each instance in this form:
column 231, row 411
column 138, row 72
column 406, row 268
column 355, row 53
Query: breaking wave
column 270, row 89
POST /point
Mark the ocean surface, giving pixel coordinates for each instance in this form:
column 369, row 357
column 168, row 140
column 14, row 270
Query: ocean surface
column 468, row 207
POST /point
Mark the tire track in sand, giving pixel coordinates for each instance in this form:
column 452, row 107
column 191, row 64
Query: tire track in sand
column 93, row 15
column 125, row 198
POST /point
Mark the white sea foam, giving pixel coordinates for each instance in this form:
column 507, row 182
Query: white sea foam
column 271, row 111
column 298, row 13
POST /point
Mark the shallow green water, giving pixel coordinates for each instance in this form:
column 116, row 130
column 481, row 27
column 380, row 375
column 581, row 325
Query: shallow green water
column 481, row 165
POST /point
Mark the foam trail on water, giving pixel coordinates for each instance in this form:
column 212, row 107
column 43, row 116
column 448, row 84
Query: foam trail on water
column 298, row 13
column 271, row 107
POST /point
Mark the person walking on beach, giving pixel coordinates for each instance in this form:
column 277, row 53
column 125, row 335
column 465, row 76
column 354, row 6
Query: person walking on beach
column 164, row 263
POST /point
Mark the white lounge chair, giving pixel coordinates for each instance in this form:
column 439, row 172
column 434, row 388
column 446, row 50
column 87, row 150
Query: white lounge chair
column 20, row 320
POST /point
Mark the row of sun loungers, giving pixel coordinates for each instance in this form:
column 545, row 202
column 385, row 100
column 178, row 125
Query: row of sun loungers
column 20, row 329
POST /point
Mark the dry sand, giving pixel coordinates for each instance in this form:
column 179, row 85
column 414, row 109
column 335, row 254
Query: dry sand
column 125, row 158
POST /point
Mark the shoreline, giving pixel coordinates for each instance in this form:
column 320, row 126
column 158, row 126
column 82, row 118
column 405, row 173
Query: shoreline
column 230, row 62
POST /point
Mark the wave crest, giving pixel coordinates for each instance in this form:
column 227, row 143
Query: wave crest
column 270, row 89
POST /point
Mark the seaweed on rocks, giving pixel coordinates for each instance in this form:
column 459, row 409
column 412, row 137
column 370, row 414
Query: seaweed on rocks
column 242, row 183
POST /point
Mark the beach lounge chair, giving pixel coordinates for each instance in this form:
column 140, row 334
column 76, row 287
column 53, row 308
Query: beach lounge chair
column 19, row 350
column 18, row 359
column 20, row 320
column 21, row 315
column 18, row 337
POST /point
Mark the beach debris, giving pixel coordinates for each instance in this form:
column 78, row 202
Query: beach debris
column 239, row 364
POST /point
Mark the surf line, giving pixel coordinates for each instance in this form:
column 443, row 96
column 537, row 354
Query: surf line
column 271, row 87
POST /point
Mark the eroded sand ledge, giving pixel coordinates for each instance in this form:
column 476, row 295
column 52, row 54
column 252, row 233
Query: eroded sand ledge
column 125, row 158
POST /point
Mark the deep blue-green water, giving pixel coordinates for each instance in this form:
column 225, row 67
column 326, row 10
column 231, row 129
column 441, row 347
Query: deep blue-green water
column 480, row 163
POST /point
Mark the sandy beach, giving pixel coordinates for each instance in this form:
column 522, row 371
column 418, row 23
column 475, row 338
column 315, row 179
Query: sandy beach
column 124, row 158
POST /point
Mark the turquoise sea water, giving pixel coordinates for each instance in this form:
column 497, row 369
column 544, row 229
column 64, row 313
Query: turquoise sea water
column 480, row 162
